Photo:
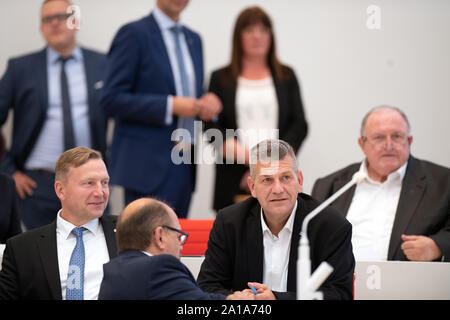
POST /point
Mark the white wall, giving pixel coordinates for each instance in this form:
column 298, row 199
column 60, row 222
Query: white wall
column 344, row 68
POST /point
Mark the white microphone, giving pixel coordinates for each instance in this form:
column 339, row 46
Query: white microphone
column 308, row 284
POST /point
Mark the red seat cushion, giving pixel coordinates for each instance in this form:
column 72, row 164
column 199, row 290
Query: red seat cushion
column 197, row 241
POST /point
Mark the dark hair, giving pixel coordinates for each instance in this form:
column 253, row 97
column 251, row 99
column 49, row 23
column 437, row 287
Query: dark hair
column 135, row 231
column 250, row 16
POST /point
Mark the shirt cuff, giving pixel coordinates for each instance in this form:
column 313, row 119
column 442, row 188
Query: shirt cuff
column 169, row 109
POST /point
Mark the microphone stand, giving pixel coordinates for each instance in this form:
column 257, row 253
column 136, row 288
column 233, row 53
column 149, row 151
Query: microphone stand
column 308, row 284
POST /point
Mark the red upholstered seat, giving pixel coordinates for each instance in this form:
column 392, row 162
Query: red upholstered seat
column 197, row 241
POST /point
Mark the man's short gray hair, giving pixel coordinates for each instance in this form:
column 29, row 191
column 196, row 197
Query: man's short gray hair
column 383, row 107
column 270, row 150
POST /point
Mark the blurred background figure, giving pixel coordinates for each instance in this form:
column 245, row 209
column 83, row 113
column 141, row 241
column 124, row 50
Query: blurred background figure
column 259, row 96
column 54, row 93
column 153, row 86
column 9, row 215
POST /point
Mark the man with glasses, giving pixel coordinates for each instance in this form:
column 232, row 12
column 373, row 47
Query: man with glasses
column 401, row 210
column 54, row 95
column 149, row 240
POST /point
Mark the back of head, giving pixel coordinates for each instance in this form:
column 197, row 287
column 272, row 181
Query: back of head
column 73, row 158
column 137, row 223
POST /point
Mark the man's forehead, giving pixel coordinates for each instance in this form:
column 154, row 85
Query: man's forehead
column 91, row 167
column 55, row 5
column 386, row 117
column 274, row 167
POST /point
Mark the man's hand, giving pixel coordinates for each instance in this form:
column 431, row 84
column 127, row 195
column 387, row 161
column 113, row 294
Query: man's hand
column 241, row 295
column 185, row 107
column 264, row 293
column 210, row 106
column 24, row 184
column 420, row 248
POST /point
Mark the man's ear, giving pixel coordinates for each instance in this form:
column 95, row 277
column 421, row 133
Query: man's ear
column 158, row 238
column 251, row 186
column 300, row 180
column 59, row 190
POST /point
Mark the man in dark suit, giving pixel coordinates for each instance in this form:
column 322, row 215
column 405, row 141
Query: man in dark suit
column 9, row 214
column 55, row 97
column 64, row 260
column 401, row 210
column 154, row 85
column 257, row 240
column 148, row 266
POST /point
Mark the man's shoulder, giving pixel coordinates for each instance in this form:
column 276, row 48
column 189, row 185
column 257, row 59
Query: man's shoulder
column 346, row 172
column 328, row 216
column 240, row 210
column 429, row 168
column 92, row 53
column 23, row 240
column 27, row 58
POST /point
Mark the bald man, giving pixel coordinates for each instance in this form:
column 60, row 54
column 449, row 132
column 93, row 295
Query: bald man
column 401, row 210
column 148, row 266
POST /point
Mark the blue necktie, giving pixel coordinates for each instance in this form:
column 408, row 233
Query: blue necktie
column 188, row 122
column 75, row 276
column 69, row 136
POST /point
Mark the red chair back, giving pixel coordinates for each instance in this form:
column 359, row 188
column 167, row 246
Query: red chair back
column 197, row 241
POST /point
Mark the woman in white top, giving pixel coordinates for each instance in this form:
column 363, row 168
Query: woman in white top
column 260, row 96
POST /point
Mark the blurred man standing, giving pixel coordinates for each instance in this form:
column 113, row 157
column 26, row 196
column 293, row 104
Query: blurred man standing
column 54, row 95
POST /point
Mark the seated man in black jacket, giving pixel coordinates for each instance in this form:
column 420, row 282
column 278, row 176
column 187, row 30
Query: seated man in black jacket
column 257, row 240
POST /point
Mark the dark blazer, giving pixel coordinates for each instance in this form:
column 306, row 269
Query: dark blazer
column 9, row 215
column 235, row 253
column 139, row 79
column 291, row 123
column 423, row 207
column 24, row 88
column 133, row 275
column 30, row 268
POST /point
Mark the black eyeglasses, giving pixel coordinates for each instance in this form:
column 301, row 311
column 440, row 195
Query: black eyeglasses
column 182, row 236
column 60, row 17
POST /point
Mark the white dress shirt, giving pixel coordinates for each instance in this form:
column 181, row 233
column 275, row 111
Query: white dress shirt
column 165, row 23
column 96, row 254
column 256, row 111
column 372, row 214
column 50, row 143
column 276, row 254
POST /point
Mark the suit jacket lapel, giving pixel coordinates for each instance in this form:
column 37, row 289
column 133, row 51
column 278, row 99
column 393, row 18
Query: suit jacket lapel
column 41, row 79
column 110, row 236
column 197, row 61
column 413, row 188
column 49, row 257
column 343, row 202
column 255, row 247
column 300, row 215
column 91, row 72
column 230, row 95
column 160, row 55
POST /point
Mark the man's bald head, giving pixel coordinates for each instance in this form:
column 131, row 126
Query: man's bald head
column 138, row 221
